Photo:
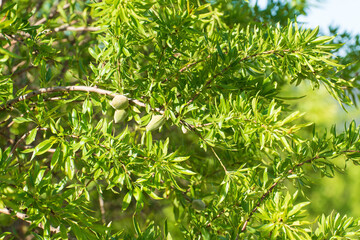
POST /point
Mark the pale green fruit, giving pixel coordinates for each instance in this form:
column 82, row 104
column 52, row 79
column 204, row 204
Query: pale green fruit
column 120, row 115
column 119, row 102
column 198, row 204
column 155, row 123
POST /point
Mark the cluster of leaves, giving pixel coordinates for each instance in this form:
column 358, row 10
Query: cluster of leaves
column 222, row 163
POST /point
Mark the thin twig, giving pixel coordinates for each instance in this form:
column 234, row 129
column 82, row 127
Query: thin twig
column 267, row 193
column 25, row 69
column 22, row 139
column 52, row 14
column 186, row 67
column 192, row 64
column 271, row 188
column 231, row 65
column 20, row 64
column 24, row 217
column 216, row 217
column 212, row 149
column 160, row 59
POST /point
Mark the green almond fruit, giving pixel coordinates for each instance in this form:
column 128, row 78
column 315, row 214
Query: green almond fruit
column 120, row 115
column 155, row 123
column 120, row 102
column 198, row 204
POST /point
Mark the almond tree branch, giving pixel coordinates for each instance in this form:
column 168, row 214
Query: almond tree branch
column 88, row 89
column 27, row 96
column 67, row 27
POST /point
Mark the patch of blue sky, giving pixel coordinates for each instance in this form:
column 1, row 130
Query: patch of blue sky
column 324, row 13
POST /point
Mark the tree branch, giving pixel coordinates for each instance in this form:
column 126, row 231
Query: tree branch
column 69, row 89
column 66, row 27
column 186, row 67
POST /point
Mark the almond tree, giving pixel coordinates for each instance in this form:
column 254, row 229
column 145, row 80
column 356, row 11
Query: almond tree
column 164, row 120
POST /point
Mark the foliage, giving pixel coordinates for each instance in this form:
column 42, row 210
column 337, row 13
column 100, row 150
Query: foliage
column 207, row 148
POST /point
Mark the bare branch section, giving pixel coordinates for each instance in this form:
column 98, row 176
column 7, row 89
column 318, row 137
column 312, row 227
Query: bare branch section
column 24, row 217
column 69, row 89
column 76, row 29
column 67, row 27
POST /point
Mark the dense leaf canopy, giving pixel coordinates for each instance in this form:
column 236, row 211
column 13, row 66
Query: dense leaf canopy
column 165, row 119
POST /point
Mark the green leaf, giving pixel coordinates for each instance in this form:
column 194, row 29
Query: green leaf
column 69, row 167
column 56, row 157
column 136, row 226
column 39, row 176
column 286, row 144
column 152, row 194
column 313, row 33
column 126, row 200
column 321, row 40
column 22, row 120
column 43, row 147
column 293, row 116
column 92, row 53
column 297, row 208
column 31, row 137
column 224, row 190
column 180, row 159
column 221, row 54
column 10, row 54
